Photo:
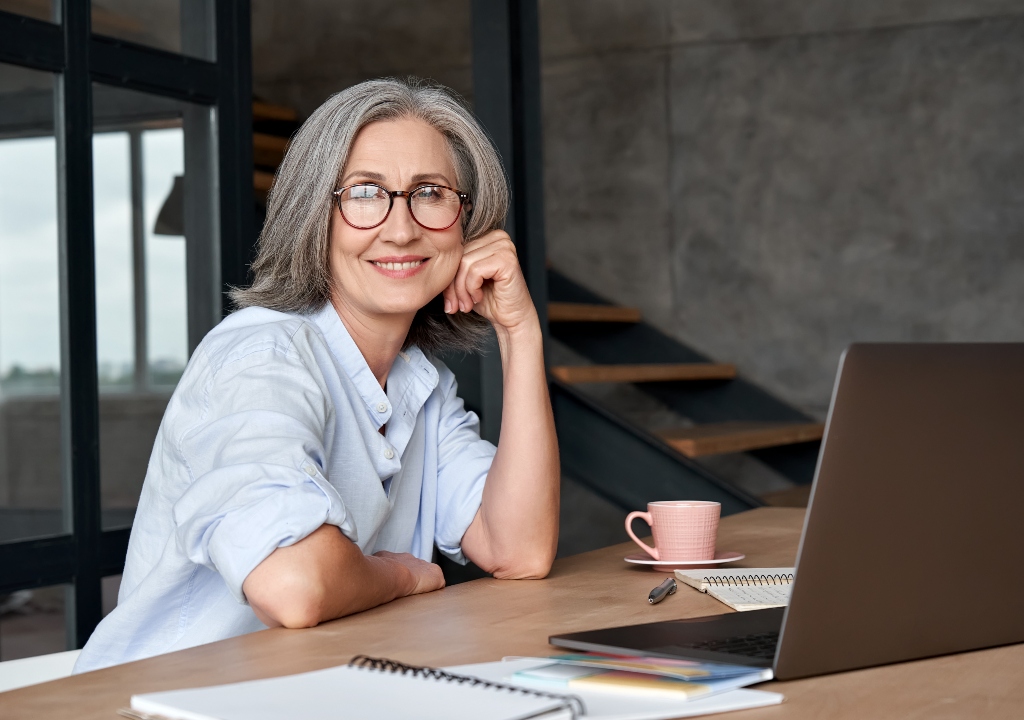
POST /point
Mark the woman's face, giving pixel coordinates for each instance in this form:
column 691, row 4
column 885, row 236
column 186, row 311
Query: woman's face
column 399, row 266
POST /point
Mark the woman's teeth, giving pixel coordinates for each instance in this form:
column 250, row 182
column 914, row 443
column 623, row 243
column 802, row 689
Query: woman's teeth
column 398, row 266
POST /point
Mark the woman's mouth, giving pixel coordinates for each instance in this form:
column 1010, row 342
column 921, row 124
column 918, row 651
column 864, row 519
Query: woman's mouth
column 398, row 265
column 399, row 268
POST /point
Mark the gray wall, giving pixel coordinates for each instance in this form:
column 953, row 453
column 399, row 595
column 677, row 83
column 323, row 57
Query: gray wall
column 792, row 176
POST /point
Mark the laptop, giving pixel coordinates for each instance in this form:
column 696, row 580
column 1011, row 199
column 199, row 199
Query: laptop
column 912, row 543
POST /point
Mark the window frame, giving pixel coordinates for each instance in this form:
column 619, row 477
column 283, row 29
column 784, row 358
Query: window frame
column 84, row 553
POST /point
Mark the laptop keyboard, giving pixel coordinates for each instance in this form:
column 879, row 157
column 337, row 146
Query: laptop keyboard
column 758, row 645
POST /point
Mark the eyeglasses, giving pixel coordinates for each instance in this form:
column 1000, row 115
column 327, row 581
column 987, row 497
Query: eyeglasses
column 434, row 207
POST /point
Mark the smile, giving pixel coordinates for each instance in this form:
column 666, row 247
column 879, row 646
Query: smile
column 398, row 265
column 399, row 268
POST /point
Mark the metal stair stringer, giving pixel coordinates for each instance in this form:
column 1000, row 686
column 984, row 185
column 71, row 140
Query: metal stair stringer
column 708, row 401
column 626, row 465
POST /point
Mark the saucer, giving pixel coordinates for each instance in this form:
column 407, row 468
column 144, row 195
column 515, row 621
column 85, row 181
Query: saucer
column 720, row 559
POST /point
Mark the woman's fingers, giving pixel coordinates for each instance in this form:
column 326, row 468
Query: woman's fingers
column 451, row 298
column 490, row 281
column 463, row 301
column 456, row 298
column 470, row 256
column 477, row 267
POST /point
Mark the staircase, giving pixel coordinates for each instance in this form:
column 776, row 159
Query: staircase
column 273, row 126
column 630, row 465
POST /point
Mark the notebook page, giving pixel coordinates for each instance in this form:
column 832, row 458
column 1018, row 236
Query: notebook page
column 752, row 597
column 703, row 579
column 348, row 692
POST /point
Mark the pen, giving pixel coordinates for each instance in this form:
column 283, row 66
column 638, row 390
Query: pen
column 658, row 594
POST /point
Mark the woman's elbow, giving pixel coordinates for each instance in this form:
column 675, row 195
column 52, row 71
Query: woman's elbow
column 525, row 566
column 300, row 610
column 292, row 602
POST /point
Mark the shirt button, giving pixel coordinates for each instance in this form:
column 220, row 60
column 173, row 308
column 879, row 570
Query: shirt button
column 382, row 407
column 389, row 453
column 310, row 470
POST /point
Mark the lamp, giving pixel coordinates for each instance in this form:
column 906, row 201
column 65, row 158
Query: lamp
column 171, row 218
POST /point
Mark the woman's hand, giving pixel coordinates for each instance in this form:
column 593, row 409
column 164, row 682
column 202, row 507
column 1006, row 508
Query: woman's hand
column 491, row 282
column 423, row 576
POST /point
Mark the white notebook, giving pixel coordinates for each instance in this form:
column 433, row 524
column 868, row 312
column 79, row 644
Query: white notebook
column 387, row 694
column 743, row 588
column 379, row 691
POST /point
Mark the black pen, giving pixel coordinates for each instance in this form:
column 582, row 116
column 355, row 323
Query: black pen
column 658, row 594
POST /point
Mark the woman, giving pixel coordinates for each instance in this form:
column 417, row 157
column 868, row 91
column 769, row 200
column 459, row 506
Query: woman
column 315, row 450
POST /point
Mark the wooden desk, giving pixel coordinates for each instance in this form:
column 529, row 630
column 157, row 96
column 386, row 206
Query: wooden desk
column 486, row 619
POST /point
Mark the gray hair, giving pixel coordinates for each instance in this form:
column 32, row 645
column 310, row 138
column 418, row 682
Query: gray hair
column 291, row 270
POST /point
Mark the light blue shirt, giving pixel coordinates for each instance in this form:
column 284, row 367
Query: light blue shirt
column 273, row 431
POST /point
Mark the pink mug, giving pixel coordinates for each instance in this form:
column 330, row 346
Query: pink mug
column 682, row 529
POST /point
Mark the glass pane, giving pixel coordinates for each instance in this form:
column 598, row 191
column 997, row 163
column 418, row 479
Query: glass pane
column 30, row 485
column 113, row 216
column 141, row 192
column 38, row 9
column 180, row 26
column 32, row 622
column 166, row 305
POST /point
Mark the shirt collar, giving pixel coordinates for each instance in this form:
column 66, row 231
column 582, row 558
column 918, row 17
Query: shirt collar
column 410, row 366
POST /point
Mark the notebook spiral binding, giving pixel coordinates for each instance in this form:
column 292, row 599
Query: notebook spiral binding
column 569, row 702
column 749, row 580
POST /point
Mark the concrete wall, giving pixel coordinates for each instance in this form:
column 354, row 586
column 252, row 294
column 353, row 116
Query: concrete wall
column 789, row 176
column 794, row 175
column 305, row 50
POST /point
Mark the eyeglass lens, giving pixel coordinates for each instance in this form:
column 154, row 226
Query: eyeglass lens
column 366, row 206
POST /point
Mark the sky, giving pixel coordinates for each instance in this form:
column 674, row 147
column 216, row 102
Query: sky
column 29, row 313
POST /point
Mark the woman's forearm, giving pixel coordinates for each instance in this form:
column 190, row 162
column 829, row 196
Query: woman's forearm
column 515, row 533
column 325, row 576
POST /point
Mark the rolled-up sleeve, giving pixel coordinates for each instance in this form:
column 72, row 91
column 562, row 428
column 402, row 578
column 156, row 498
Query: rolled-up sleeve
column 256, row 460
column 463, row 461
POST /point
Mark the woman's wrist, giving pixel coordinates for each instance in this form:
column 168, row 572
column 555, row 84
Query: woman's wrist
column 397, row 579
column 525, row 335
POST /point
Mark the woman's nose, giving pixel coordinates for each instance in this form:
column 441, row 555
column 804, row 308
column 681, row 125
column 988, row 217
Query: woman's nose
column 399, row 228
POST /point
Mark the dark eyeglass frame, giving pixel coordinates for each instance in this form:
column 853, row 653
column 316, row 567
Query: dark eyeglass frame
column 407, row 194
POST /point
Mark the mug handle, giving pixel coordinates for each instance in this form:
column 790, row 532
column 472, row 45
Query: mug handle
column 646, row 517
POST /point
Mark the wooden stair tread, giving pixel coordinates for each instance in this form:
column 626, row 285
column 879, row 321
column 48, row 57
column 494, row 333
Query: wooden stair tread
column 729, row 437
column 262, row 180
column 268, row 150
column 269, row 111
column 588, row 312
column 643, row 373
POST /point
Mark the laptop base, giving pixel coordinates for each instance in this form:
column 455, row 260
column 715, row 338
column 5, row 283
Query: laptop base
column 689, row 639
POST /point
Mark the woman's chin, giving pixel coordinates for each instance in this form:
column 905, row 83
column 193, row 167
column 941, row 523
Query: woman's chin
column 404, row 307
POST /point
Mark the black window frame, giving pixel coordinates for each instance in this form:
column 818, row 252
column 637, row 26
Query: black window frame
column 85, row 553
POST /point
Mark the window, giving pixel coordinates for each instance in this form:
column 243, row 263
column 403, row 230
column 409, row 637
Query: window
column 126, row 207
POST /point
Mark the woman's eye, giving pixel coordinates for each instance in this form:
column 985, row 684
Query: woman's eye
column 361, row 192
column 431, row 194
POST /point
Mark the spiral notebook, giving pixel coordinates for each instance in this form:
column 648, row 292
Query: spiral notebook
column 365, row 689
column 743, row 588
